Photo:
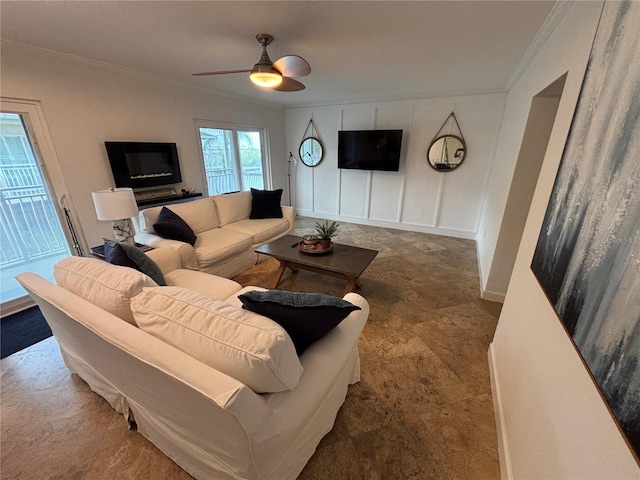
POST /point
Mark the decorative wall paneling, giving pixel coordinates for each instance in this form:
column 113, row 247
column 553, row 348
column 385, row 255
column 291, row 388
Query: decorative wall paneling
column 416, row 197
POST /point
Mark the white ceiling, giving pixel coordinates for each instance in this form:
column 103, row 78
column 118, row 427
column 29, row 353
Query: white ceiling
column 358, row 51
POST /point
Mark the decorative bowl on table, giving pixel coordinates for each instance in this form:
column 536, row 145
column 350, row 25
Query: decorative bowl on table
column 310, row 239
column 315, row 249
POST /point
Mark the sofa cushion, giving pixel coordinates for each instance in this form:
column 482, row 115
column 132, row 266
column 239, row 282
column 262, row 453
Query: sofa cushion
column 217, row 287
column 147, row 217
column 265, row 203
column 260, row 230
column 306, row 317
column 127, row 255
column 218, row 244
column 166, row 258
column 234, row 300
column 200, row 215
column 232, row 207
column 170, row 225
column 245, row 346
column 110, row 287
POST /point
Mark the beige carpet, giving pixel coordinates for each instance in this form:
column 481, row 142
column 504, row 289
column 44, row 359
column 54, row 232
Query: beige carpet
column 423, row 409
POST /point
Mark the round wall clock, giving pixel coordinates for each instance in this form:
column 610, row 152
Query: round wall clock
column 311, row 151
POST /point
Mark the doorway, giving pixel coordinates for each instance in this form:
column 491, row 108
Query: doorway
column 31, row 233
column 542, row 115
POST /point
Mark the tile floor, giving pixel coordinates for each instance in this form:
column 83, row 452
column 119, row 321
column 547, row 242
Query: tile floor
column 422, row 410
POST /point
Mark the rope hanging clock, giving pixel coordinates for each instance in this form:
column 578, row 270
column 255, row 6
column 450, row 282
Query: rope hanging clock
column 311, row 150
column 448, row 151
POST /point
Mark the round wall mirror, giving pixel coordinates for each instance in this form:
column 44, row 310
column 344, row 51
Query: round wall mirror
column 311, row 151
column 446, row 153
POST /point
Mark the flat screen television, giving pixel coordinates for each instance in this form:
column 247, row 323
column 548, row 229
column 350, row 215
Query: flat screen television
column 143, row 164
column 369, row 149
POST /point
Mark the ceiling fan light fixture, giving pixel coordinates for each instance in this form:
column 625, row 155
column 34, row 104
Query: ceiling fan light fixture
column 276, row 76
column 265, row 77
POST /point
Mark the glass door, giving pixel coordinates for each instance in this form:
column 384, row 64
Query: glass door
column 233, row 159
column 31, row 235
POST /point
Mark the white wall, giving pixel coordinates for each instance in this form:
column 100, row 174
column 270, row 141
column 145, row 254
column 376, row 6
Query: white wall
column 417, row 197
column 86, row 103
column 571, row 57
column 552, row 421
column 532, row 150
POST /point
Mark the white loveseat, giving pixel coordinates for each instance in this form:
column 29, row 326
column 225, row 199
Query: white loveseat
column 226, row 236
column 208, row 422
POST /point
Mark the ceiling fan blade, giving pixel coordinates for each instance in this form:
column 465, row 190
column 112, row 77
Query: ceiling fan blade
column 224, row 72
column 292, row 66
column 289, row 85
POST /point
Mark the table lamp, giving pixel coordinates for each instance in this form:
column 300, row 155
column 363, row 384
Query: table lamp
column 117, row 205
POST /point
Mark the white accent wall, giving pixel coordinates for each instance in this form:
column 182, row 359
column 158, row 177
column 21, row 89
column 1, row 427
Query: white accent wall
column 416, row 198
column 86, row 103
column 552, row 421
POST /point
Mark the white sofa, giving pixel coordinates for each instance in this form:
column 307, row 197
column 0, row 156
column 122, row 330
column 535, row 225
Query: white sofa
column 208, row 422
column 226, row 236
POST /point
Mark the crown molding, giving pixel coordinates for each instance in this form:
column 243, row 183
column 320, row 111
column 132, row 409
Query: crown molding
column 557, row 13
column 131, row 71
column 409, row 99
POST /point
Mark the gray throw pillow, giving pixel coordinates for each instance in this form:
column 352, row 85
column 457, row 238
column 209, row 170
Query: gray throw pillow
column 127, row 255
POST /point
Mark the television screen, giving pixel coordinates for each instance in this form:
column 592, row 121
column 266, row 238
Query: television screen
column 369, row 149
column 143, row 164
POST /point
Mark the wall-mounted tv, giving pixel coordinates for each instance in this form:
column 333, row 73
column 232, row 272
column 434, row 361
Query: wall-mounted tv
column 143, row 164
column 370, row 149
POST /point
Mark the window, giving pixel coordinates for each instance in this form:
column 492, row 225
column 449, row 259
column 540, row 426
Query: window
column 233, row 157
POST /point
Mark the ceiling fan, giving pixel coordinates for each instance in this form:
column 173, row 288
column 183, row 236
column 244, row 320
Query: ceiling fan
column 274, row 75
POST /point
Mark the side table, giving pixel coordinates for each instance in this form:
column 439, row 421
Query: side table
column 98, row 250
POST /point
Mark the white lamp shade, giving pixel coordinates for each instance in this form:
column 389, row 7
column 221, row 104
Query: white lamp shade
column 115, row 203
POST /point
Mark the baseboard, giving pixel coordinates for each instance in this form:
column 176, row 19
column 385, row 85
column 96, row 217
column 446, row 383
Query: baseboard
column 493, row 296
column 17, row 305
column 410, row 227
column 484, row 293
column 503, row 445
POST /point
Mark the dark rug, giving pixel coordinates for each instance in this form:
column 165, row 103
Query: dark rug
column 21, row 330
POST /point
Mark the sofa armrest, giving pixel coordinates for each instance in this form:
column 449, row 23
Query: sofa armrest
column 186, row 252
column 290, row 214
column 166, row 258
column 169, row 262
column 330, row 364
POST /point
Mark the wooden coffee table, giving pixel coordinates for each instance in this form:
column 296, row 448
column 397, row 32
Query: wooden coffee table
column 343, row 261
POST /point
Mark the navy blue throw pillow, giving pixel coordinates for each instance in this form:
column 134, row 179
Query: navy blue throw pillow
column 266, row 203
column 306, row 317
column 170, row 225
column 127, row 255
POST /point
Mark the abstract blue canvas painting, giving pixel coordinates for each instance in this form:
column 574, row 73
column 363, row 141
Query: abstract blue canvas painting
column 587, row 259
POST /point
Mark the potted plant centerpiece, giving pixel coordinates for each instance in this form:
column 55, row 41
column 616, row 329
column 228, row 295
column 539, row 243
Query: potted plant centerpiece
column 326, row 231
